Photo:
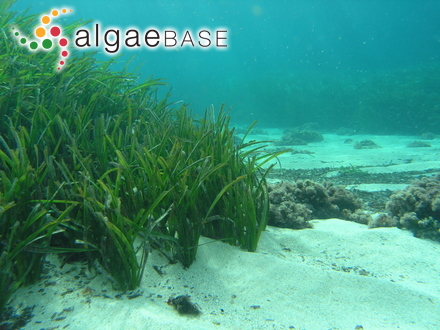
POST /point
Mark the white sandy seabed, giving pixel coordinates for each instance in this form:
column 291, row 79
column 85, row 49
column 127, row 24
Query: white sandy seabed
column 338, row 275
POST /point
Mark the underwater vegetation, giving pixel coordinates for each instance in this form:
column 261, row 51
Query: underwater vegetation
column 417, row 208
column 292, row 205
column 92, row 163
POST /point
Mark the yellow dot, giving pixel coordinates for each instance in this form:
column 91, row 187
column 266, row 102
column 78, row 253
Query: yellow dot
column 54, row 12
column 40, row 32
column 64, row 11
column 45, row 20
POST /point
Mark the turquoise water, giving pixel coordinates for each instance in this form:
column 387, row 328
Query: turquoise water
column 363, row 67
column 371, row 66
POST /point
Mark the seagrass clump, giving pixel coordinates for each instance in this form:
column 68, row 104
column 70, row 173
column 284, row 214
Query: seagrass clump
column 92, row 162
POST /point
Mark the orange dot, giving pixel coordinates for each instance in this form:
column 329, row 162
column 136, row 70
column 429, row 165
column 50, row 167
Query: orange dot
column 71, row 10
column 64, row 11
column 40, row 32
column 45, row 20
column 54, row 12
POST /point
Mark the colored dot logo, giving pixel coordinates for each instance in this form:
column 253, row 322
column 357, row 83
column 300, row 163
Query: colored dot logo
column 47, row 36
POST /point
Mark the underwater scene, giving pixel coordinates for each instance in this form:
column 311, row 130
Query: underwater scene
column 219, row 164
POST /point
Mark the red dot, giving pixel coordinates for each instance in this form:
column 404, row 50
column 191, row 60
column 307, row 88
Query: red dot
column 59, row 68
column 61, row 62
column 64, row 53
column 55, row 31
column 63, row 42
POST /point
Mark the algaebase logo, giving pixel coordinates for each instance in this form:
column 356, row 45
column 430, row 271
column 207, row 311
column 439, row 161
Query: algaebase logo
column 47, row 36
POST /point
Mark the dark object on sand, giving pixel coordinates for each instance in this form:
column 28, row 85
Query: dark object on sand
column 183, row 305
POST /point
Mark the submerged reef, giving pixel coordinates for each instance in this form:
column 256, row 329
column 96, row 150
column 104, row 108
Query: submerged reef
column 292, row 205
column 417, row 208
column 299, row 137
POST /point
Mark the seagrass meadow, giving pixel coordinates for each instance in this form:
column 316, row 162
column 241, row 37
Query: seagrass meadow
column 93, row 165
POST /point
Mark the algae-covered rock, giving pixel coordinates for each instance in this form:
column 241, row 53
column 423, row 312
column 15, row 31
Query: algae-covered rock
column 419, row 144
column 298, row 137
column 366, row 144
column 292, row 205
column 417, row 208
